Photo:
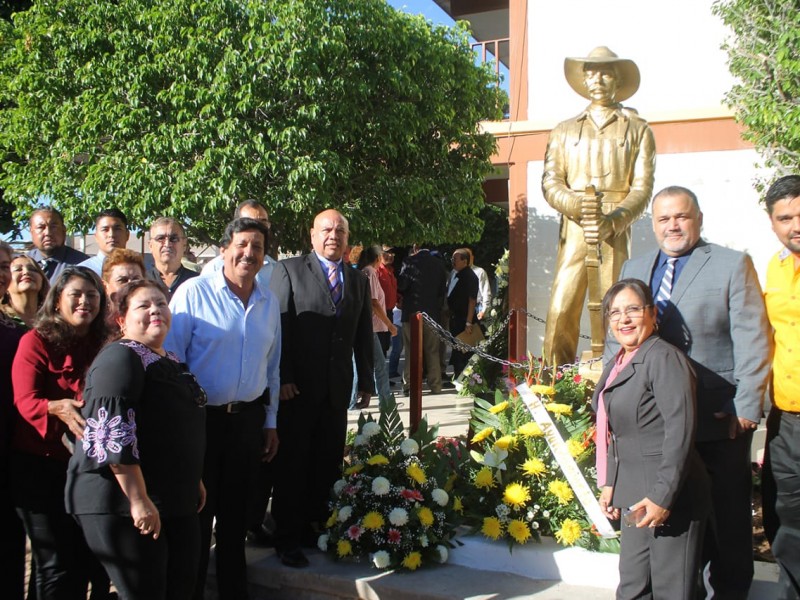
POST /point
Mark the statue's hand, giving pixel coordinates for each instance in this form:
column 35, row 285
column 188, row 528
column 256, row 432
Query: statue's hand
column 605, row 229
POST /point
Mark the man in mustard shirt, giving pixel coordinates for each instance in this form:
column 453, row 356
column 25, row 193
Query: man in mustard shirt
column 782, row 295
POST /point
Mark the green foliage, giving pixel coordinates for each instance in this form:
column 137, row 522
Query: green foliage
column 185, row 108
column 764, row 55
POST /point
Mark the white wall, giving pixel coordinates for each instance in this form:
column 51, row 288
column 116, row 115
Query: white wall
column 723, row 182
column 675, row 43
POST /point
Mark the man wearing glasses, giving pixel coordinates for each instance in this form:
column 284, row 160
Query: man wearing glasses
column 167, row 245
column 710, row 306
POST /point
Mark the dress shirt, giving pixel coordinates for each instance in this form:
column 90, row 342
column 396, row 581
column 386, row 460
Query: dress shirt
column 233, row 351
column 782, row 296
column 61, row 258
column 95, row 263
column 376, row 293
column 262, row 279
column 484, row 289
column 661, row 268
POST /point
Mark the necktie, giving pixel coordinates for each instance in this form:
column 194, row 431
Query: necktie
column 335, row 284
column 665, row 289
column 48, row 266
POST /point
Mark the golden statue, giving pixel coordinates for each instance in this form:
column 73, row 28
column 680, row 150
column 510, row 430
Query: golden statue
column 598, row 173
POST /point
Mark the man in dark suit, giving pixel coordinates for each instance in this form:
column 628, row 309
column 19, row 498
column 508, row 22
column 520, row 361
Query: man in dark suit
column 326, row 319
column 49, row 236
column 710, row 306
column 462, row 297
column 423, row 284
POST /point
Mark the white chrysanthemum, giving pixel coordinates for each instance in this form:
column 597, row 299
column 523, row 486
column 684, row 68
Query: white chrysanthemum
column 398, row 517
column 359, row 440
column 442, row 550
column 381, row 559
column 423, row 541
column 440, row 497
column 409, row 447
column 344, row 513
column 338, row 486
column 322, row 542
column 370, row 428
column 381, row 486
column 535, row 525
column 546, row 514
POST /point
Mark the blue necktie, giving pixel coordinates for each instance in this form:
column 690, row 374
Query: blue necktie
column 665, row 289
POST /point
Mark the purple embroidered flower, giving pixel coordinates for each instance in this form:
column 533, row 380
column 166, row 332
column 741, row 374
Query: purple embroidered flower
column 103, row 435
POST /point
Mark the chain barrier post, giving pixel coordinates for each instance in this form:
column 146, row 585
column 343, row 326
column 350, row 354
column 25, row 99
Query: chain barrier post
column 513, row 327
column 415, row 385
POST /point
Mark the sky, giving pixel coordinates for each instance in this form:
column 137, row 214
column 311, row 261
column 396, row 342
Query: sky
column 428, row 8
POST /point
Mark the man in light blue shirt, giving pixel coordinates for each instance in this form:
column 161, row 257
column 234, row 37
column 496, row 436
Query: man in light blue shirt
column 110, row 231
column 250, row 209
column 227, row 329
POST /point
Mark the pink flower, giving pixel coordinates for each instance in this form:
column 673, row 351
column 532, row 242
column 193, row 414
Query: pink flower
column 354, row 532
column 394, row 536
column 577, row 379
column 412, row 495
column 350, row 489
column 559, row 376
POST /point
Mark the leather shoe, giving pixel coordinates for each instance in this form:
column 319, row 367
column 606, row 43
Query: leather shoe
column 294, row 558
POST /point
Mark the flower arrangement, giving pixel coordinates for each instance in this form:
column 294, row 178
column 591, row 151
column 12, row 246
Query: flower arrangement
column 516, row 491
column 394, row 503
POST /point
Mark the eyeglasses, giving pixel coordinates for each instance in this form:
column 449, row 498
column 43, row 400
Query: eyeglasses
column 198, row 393
column 634, row 312
column 172, row 239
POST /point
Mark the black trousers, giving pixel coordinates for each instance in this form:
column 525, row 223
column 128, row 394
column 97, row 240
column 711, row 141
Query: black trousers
column 143, row 568
column 12, row 542
column 728, row 548
column 234, row 446
column 64, row 563
column 312, row 434
column 783, row 438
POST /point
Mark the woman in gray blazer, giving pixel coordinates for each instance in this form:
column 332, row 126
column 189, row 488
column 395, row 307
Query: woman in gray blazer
column 653, row 477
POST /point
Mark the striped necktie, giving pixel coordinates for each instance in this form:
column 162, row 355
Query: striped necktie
column 665, row 289
column 334, row 284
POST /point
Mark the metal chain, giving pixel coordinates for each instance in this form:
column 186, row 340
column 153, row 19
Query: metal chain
column 457, row 344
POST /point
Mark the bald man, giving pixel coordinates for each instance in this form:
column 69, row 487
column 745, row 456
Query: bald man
column 326, row 319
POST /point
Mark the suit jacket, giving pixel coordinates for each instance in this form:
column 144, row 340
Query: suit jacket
column 317, row 345
column 716, row 315
column 651, row 413
column 423, row 284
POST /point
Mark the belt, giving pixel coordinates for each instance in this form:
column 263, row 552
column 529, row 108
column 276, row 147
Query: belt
column 233, row 408
column 789, row 413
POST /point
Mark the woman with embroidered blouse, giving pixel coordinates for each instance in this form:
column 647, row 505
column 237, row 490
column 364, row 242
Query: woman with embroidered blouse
column 134, row 482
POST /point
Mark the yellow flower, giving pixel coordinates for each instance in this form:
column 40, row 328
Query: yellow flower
column 332, row 519
column 378, row 459
column 516, row 495
column 533, row 466
column 505, row 442
column 575, row 448
column 354, row 469
column 415, row 472
column 498, row 408
column 482, row 435
column 412, row 561
column 373, row 520
column 519, row 530
column 492, row 527
column 425, row 516
column 484, row 478
column 458, row 506
column 343, row 548
column 561, row 490
column 558, row 409
column 569, row 533
column 448, row 486
column 530, row 429
column 543, row 390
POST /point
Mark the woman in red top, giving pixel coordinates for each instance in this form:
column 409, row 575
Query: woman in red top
column 47, row 376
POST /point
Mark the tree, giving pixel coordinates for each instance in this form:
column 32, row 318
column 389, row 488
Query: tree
column 764, row 55
column 185, row 108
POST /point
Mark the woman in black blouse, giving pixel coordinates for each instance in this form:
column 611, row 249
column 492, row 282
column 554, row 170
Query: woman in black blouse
column 134, row 482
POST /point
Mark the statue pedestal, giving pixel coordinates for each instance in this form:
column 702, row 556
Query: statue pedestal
column 592, row 370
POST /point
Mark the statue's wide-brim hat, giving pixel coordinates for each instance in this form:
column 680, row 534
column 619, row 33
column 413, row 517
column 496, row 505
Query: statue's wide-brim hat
column 626, row 70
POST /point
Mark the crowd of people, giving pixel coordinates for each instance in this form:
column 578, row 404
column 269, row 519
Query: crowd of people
column 146, row 410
